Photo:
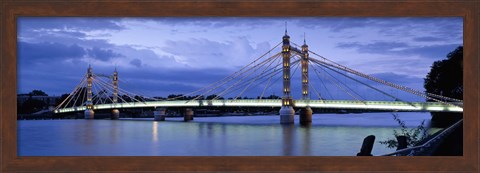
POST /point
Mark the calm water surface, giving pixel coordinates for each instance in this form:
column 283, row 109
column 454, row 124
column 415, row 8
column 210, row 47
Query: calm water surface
column 329, row 135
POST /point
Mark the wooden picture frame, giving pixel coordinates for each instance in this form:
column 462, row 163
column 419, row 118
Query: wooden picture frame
column 11, row 10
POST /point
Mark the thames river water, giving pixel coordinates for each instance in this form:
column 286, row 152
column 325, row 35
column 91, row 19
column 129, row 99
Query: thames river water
column 328, row 135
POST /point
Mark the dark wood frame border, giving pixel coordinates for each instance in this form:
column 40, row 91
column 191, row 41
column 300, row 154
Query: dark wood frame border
column 10, row 10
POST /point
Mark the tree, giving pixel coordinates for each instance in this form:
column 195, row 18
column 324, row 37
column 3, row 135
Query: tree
column 31, row 106
column 446, row 76
column 38, row 93
column 273, row 97
column 446, row 79
column 414, row 135
column 214, row 96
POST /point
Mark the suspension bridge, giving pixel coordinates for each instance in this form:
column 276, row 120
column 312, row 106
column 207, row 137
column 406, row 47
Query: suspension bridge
column 102, row 92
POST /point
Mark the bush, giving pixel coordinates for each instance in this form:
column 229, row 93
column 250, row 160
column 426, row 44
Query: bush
column 414, row 136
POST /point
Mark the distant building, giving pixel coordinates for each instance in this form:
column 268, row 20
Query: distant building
column 49, row 100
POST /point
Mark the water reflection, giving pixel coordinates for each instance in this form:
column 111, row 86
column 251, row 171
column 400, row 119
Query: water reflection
column 328, row 135
column 155, row 131
column 306, row 140
column 88, row 129
column 288, row 139
column 114, row 132
column 296, row 139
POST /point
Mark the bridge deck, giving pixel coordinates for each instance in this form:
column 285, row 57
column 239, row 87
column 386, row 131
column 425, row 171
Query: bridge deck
column 336, row 104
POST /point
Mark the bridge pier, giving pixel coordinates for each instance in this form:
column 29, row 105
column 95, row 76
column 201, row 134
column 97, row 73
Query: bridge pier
column 287, row 115
column 89, row 114
column 159, row 114
column 188, row 114
column 115, row 114
column 306, row 115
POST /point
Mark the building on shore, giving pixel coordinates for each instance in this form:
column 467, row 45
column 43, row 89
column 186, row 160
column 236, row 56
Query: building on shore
column 49, row 100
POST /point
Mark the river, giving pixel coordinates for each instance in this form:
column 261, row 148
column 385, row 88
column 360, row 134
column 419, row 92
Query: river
column 328, row 135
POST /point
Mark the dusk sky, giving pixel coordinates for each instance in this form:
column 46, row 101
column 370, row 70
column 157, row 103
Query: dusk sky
column 161, row 56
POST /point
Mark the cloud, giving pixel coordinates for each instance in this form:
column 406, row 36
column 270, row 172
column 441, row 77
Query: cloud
column 204, row 53
column 400, row 48
column 52, row 76
column 153, row 81
column 136, row 62
column 102, row 54
column 387, row 28
column 433, row 51
column 63, row 75
column 376, row 47
column 73, row 23
column 340, row 24
column 428, row 39
column 47, row 52
column 397, row 78
column 146, row 57
column 212, row 22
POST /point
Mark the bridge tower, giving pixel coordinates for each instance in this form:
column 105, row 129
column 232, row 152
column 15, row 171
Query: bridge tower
column 286, row 112
column 89, row 114
column 305, row 113
column 115, row 111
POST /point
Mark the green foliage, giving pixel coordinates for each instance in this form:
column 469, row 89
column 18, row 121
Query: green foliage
column 414, row 136
column 446, row 76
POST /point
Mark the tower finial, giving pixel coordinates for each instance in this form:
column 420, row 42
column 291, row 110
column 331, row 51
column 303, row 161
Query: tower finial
column 285, row 27
column 304, row 42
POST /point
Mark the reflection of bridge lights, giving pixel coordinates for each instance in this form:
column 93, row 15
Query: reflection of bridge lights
column 155, row 131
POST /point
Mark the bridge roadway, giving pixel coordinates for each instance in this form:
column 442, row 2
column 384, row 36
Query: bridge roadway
column 335, row 104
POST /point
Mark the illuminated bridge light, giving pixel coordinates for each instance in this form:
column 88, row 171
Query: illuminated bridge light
column 431, row 108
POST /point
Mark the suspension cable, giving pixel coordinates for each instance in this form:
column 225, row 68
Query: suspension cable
column 226, row 78
column 314, row 89
column 276, row 70
column 400, row 87
column 336, row 84
column 260, row 65
column 256, row 78
column 109, row 85
column 105, row 92
column 119, row 94
column 75, row 93
column 69, row 95
column 406, row 89
column 270, row 78
column 356, row 80
column 321, row 81
column 205, row 93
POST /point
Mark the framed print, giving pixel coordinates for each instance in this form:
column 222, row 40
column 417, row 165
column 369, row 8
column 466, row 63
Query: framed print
column 239, row 86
